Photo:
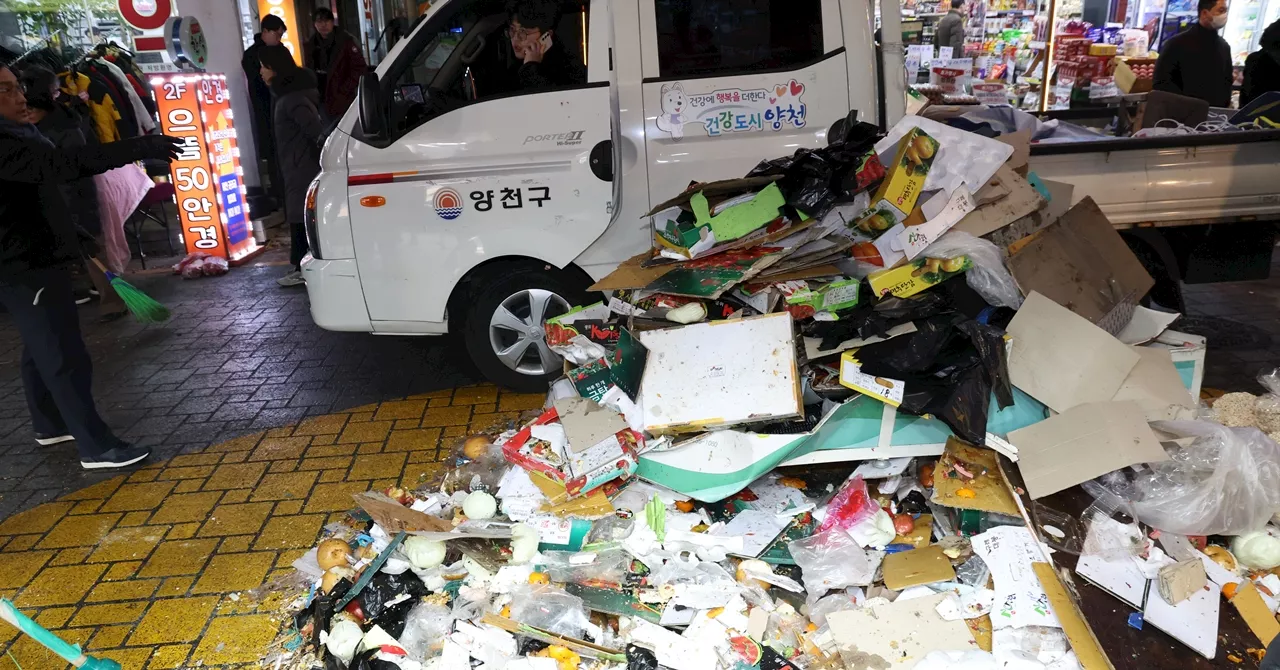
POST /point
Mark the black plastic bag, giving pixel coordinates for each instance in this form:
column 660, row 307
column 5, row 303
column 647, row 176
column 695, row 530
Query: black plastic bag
column 366, row 661
column 639, row 658
column 875, row 318
column 383, row 589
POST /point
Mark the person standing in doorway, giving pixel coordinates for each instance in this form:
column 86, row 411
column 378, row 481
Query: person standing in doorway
column 335, row 57
column 38, row 243
column 295, row 116
column 273, row 29
column 1197, row 61
column 1262, row 67
column 950, row 30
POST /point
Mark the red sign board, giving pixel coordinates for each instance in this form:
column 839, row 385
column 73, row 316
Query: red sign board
column 207, row 179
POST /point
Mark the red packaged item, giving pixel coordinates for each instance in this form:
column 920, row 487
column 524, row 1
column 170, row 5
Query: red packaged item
column 869, row 171
column 581, row 472
column 850, row 505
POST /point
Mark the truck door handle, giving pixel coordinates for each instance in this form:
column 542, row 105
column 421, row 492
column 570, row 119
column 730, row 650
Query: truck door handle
column 601, row 160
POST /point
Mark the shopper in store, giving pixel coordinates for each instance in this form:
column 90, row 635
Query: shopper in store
column 38, row 243
column 273, row 30
column 1197, row 61
column 299, row 130
column 335, row 57
column 950, row 30
column 1262, row 67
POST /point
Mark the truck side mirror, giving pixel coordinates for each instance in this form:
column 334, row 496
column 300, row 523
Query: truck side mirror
column 372, row 121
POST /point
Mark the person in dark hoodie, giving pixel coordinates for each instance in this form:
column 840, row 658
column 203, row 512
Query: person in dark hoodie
column 272, row 33
column 1197, row 61
column 38, row 242
column 334, row 56
column 1262, row 67
column 66, row 128
column 544, row 63
column 299, row 131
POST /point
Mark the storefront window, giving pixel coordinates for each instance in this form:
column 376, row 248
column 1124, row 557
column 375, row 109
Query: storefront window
column 70, row 25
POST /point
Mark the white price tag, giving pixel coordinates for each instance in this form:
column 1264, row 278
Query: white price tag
column 551, row 529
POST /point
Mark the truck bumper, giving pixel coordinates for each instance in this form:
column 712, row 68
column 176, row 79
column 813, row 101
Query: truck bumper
column 337, row 299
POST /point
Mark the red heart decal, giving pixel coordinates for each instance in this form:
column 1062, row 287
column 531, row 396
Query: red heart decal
column 796, row 87
column 772, row 100
column 781, row 91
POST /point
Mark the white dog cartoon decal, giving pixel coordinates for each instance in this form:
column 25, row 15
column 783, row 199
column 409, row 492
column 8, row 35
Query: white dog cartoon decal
column 672, row 118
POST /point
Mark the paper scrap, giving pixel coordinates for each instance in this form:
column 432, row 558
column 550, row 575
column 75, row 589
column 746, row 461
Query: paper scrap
column 1154, row 383
column 758, row 529
column 1146, row 325
column 1009, row 552
column 1061, row 359
column 1085, row 442
column 1181, row 580
column 970, row 605
column 1193, row 622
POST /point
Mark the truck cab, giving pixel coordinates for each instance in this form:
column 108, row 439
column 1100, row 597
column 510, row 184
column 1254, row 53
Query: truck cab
column 450, row 201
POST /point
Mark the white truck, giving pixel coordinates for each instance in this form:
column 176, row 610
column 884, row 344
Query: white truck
column 447, row 204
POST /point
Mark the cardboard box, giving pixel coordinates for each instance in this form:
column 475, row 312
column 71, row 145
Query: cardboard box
column 893, row 202
column 815, row 297
column 916, row 276
column 1127, row 80
column 1082, row 262
column 698, row 229
column 581, row 471
column 917, row 566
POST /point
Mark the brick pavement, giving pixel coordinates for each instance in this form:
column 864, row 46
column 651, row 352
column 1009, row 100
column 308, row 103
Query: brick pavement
column 240, row 354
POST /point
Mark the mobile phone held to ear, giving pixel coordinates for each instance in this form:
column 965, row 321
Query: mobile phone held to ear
column 545, row 41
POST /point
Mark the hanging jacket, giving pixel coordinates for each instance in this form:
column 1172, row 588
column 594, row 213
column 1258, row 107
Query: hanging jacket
column 102, row 110
column 98, row 75
column 140, row 114
column 299, row 132
column 135, row 76
column 36, row 230
column 62, row 126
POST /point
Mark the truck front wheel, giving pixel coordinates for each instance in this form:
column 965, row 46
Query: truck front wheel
column 504, row 332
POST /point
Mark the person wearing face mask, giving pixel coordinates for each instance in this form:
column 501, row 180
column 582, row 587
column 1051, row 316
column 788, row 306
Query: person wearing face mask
column 544, row 63
column 1197, row 61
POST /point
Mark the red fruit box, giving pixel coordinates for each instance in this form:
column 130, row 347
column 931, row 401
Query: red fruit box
column 580, row 472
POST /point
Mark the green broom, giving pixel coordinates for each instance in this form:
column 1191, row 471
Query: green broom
column 144, row 308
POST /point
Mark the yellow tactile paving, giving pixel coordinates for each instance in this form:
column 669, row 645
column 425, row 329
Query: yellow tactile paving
column 150, row 568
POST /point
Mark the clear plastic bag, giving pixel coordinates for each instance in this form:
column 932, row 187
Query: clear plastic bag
column 849, row 599
column 849, row 506
column 830, row 560
column 583, row 567
column 988, row 276
column 1226, row 482
column 551, row 609
column 425, row 629
column 1267, row 408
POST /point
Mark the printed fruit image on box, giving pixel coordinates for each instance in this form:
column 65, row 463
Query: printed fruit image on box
column 916, row 276
column 893, row 202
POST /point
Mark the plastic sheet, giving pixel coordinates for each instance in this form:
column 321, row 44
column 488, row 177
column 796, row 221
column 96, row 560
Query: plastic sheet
column 583, row 567
column 1267, row 408
column 830, row 560
column 1226, row 482
column 426, row 627
column 988, row 276
column 848, row 599
column 551, row 609
column 639, row 658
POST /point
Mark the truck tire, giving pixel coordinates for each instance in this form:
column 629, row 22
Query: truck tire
column 504, row 336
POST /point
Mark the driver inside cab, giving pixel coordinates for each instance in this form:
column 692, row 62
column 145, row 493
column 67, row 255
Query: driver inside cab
column 543, row 63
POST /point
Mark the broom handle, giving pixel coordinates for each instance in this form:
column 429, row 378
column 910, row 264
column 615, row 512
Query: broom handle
column 101, row 267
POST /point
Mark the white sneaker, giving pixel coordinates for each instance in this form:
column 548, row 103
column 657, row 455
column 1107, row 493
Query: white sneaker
column 292, row 279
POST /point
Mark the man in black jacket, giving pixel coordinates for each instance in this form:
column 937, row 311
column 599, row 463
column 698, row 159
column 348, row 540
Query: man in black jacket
column 1197, row 61
column 273, row 30
column 38, row 242
column 544, row 63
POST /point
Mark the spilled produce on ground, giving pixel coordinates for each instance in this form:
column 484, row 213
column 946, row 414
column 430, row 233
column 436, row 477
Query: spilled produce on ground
column 891, row 403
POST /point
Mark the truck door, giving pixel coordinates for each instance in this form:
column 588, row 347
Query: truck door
column 476, row 166
column 728, row 83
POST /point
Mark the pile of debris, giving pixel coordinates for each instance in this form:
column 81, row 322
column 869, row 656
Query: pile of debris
column 918, row 302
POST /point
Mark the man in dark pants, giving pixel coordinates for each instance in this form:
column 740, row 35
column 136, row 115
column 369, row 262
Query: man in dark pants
column 38, row 243
column 273, row 30
column 1197, row 61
